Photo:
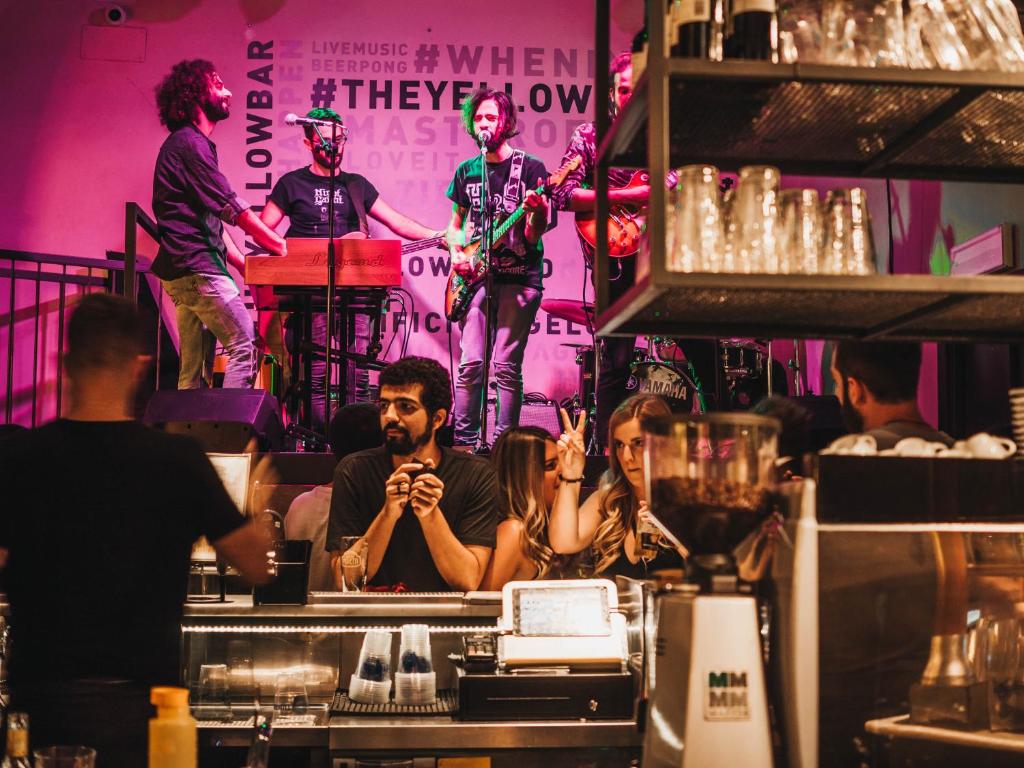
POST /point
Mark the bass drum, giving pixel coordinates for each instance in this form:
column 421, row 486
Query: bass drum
column 675, row 386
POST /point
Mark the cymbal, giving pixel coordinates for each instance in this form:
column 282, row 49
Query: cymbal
column 577, row 346
column 569, row 309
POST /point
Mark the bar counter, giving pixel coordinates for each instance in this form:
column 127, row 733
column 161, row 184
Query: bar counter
column 331, row 627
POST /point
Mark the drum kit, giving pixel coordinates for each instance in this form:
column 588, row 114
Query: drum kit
column 662, row 368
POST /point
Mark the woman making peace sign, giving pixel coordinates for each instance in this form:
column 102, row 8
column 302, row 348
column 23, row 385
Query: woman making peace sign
column 607, row 521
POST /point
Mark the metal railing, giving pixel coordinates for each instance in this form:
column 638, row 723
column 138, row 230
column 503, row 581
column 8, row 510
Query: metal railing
column 118, row 273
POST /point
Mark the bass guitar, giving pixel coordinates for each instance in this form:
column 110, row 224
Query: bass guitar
column 410, row 247
column 625, row 225
column 461, row 288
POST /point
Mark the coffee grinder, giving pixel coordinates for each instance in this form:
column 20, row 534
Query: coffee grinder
column 709, row 481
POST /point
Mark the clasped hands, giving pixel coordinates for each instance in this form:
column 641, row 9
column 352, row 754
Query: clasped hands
column 413, row 483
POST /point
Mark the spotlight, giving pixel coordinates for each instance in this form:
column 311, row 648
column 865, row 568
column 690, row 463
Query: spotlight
column 115, row 14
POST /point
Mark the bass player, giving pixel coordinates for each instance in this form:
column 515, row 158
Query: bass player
column 516, row 262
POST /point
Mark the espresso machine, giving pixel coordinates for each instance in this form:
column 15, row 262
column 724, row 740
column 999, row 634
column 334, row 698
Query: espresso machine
column 710, row 481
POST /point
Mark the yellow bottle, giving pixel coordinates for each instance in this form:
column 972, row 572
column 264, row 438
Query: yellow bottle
column 172, row 733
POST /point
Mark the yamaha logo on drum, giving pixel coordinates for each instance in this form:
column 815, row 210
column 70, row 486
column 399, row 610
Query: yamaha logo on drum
column 726, row 695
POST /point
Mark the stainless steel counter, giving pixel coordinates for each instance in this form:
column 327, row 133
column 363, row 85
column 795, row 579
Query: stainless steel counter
column 435, row 733
column 325, row 605
column 368, row 733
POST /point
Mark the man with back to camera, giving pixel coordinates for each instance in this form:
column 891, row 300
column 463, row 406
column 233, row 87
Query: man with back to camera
column 302, row 196
column 490, row 117
column 97, row 531
column 876, row 383
column 428, row 514
column 354, row 427
column 191, row 201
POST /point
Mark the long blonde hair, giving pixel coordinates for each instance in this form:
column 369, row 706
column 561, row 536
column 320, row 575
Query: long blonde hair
column 619, row 503
column 518, row 459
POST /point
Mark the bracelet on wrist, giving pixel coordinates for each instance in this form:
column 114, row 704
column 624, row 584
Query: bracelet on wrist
column 570, row 480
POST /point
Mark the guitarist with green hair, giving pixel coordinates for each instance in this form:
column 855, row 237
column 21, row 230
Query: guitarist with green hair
column 515, row 263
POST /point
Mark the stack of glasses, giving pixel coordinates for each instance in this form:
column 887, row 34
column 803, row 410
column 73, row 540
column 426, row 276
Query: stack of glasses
column 932, row 34
column 1017, row 417
column 762, row 230
column 415, row 683
column 371, row 682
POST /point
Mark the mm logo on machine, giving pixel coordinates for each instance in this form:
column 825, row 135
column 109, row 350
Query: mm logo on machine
column 726, row 695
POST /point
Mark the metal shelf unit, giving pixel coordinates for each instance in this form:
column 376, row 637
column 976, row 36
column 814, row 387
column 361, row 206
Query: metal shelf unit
column 809, row 120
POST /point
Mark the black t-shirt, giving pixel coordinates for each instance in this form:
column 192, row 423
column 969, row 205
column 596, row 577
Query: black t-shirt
column 515, row 261
column 470, row 505
column 191, row 199
column 303, row 196
column 99, row 518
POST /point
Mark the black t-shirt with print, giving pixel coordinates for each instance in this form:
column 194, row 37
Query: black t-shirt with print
column 303, row 196
column 469, row 505
column 516, row 261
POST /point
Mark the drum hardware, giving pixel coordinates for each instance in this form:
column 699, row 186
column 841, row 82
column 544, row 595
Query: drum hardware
column 585, row 396
column 794, row 366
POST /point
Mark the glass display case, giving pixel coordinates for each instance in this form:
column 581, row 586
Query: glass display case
column 298, row 661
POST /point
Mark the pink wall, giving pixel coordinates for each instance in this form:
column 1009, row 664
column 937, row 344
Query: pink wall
column 81, row 133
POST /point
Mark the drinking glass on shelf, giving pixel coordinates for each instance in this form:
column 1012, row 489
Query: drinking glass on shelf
column 1004, row 673
column 933, row 41
column 849, row 246
column 800, row 33
column 864, row 33
column 696, row 237
column 354, row 551
column 290, row 695
column 802, row 232
column 64, row 757
column 861, row 257
column 755, row 220
column 213, row 692
column 241, row 674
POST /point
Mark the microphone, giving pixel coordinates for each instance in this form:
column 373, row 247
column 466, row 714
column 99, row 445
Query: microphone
column 292, row 119
column 483, row 137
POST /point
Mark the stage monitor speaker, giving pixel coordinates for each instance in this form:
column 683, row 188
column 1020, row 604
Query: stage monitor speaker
column 222, row 420
column 543, row 414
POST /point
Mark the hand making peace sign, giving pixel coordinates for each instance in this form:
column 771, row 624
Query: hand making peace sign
column 572, row 451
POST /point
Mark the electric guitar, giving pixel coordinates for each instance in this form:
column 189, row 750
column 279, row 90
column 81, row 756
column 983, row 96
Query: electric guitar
column 460, row 289
column 410, row 247
column 625, row 225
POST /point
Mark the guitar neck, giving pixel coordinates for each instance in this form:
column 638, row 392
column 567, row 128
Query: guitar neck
column 419, row 245
column 513, row 217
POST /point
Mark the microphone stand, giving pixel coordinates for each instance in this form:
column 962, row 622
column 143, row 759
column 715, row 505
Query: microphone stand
column 331, row 148
column 486, row 221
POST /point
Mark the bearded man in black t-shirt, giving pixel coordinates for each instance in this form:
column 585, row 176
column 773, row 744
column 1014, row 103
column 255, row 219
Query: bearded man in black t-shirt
column 427, row 515
column 516, row 264
column 302, row 195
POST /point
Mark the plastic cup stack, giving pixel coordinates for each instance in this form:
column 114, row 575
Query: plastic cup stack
column 415, row 681
column 371, row 682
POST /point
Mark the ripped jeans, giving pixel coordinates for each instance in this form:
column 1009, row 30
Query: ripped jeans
column 514, row 308
column 213, row 301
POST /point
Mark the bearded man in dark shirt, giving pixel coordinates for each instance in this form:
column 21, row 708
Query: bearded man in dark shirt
column 427, row 514
column 301, row 195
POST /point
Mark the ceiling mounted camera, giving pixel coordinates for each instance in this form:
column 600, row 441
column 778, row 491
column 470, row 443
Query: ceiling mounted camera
column 115, row 14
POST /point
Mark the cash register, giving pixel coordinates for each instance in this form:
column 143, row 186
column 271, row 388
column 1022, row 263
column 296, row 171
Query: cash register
column 559, row 652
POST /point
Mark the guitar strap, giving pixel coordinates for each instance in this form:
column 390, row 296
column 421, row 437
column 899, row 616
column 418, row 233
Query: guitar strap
column 515, row 175
column 355, row 194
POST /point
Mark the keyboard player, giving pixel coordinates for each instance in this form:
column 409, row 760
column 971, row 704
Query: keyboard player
column 302, row 196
